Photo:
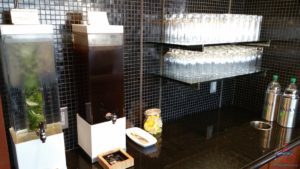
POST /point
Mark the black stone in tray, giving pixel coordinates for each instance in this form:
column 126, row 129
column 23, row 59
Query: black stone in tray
column 115, row 157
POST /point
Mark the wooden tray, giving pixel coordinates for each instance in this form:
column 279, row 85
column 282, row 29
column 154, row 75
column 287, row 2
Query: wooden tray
column 115, row 159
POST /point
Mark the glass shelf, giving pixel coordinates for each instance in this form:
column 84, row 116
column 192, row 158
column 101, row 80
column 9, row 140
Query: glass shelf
column 200, row 47
column 198, row 80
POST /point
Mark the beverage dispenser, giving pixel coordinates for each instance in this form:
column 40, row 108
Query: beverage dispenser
column 32, row 96
column 99, row 49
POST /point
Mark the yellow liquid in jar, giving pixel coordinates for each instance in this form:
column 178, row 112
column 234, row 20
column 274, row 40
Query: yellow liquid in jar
column 153, row 124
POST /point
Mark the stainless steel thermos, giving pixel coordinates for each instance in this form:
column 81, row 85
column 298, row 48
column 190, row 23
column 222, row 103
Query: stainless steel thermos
column 272, row 100
column 288, row 106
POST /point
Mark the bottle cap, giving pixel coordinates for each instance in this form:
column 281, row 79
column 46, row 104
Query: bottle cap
column 293, row 80
column 275, row 77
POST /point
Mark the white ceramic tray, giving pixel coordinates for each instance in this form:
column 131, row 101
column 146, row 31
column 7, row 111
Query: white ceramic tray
column 140, row 137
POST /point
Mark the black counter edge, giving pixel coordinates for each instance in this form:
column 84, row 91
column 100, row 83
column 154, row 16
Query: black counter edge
column 271, row 156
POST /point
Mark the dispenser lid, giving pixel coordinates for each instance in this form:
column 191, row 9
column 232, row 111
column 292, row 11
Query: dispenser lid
column 25, row 29
column 24, row 16
column 80, row 28
column 97, row 23
column 97, row 18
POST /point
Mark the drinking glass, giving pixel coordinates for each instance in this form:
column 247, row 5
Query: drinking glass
column 259, row 59
column 258, row 27
column 189, row 31
column 252, row 33
column 207, row 28
column 199, row 28
column 173, row 28
column 168, row 24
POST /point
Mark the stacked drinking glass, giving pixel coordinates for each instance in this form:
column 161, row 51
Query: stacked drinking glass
column 201, row 28
column 214, row 62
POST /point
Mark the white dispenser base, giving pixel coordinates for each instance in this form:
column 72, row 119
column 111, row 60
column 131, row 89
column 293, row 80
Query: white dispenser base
column 37, row 155
column 102, row 137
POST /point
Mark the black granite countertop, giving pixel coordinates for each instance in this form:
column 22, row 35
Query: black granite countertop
column 213, row 140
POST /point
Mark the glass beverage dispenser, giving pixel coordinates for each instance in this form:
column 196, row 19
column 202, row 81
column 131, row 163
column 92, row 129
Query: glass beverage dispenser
column 100, row 53
column 101, row 123
column 30, row 80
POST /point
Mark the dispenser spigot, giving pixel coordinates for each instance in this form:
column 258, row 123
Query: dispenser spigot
column 111, row 116
column 42, row 132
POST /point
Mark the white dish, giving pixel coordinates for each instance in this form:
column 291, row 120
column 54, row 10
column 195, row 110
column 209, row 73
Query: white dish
column 140, row 137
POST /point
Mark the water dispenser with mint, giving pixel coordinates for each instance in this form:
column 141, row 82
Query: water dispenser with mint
column 27, row 56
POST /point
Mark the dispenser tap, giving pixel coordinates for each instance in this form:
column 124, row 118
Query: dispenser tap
column 42, row 132
column 111, row 116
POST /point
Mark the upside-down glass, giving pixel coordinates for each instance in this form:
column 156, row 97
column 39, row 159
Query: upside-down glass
column 201, row 28
column 214, row 62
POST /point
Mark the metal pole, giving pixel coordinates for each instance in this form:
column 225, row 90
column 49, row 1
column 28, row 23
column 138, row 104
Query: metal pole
column 141, row 63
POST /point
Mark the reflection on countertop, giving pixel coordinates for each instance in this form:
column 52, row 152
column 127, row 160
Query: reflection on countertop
column 215, row 139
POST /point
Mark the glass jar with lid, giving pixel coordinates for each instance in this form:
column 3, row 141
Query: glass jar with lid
column 153, row 121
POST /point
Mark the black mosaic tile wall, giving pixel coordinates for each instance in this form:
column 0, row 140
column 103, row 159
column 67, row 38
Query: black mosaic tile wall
column 281, row 22
column 141, row 20
column 151, row 90
column 61, row 14
column 177, row 99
